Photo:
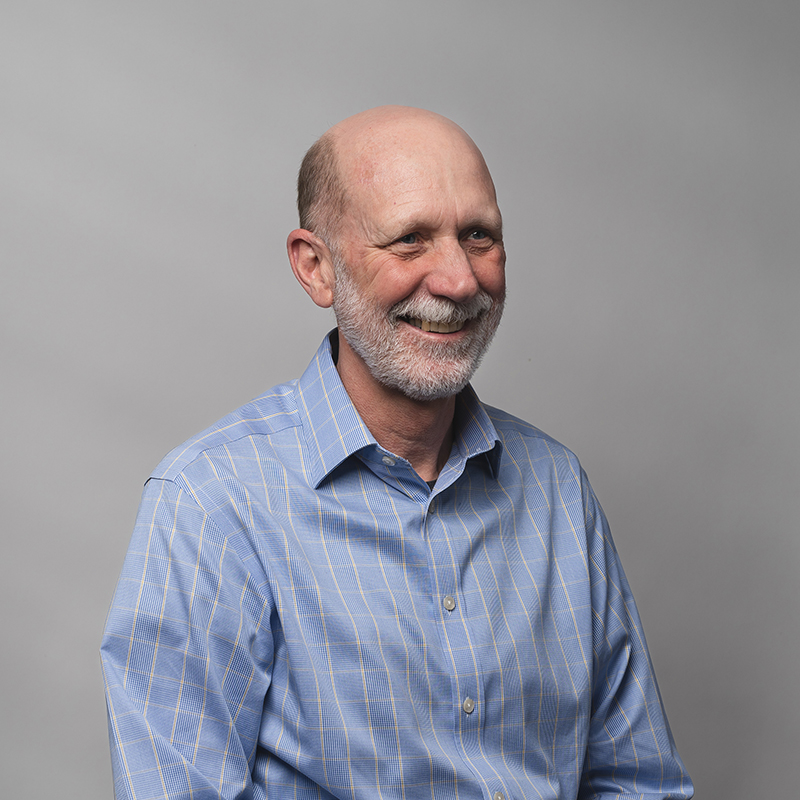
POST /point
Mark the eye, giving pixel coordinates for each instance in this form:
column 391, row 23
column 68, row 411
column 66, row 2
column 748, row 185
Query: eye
column 478, row 237
column 409, row 238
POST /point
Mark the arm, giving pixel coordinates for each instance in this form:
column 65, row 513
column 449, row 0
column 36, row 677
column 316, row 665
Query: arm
column 631, row 752
column 186, row 655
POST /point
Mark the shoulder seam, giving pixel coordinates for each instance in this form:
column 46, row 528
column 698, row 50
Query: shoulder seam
column 168, row 472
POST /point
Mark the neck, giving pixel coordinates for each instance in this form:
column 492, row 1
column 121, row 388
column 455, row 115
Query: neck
column 421, row 431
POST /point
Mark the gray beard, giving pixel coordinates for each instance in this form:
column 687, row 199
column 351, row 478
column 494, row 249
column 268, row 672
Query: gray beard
column 420, row 370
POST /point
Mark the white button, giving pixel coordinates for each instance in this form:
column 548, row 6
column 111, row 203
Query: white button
column 498, row 796
column 449, row 603
column 390, row 462
column 468, row 705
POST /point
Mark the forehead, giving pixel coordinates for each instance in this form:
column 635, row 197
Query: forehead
column 396, row 176
column 405, row 193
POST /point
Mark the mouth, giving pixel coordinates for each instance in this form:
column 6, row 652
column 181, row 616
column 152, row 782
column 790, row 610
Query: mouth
column 434, row 327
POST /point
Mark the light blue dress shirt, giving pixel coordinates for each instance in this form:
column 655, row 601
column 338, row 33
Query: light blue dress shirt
column 301, row 616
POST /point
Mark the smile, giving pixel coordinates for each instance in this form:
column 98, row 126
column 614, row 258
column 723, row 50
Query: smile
column 434, row 327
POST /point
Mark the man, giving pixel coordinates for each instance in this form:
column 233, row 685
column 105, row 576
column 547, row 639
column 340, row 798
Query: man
column 365, row 583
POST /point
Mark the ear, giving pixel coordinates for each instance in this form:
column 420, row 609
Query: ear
column 312, row 265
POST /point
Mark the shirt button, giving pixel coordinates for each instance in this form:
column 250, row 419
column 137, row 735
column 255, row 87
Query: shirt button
column 498, row 796
column 449, row 603
column 468, row 705
column 390, row 462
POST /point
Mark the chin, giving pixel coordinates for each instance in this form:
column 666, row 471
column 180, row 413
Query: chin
column 428, row 376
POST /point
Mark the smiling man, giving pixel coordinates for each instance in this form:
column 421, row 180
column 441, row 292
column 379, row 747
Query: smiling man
column 366, row 583
column 414, row 269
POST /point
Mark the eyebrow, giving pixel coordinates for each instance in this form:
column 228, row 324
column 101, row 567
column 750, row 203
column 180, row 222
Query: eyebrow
column 493, row 222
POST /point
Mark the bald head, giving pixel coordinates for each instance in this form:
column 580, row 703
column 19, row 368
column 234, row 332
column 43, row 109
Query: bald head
column 357, row 150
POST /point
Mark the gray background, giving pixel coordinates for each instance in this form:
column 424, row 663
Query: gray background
column 647, row 162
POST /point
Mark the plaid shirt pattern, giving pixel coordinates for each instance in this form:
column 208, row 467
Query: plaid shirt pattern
column 300, row 616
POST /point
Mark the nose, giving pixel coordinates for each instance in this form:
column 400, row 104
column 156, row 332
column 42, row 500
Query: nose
column 452, row 274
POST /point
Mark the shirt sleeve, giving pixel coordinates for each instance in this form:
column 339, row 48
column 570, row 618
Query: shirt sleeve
column 631, row 752
column 187, row 655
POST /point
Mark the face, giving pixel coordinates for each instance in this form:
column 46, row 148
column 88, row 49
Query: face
column 419, row 268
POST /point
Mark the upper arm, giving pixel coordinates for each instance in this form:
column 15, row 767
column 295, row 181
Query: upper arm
column 630, row 752
column 186, row 655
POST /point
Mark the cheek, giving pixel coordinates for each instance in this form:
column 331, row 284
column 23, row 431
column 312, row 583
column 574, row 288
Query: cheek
column 394, row 283
column 381, row 277
column 491, row 276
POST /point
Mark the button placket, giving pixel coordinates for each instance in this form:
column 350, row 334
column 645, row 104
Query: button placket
column 454, row 627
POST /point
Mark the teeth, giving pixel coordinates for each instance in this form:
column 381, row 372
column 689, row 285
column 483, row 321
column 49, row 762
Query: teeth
column 436, row 327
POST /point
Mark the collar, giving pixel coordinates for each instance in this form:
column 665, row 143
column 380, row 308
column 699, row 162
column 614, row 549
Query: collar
column 334, row 430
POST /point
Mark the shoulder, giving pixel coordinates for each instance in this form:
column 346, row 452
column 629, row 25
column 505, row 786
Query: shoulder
column 535, row 460
column 265, row 416
column 530, row 453
column 511, row 429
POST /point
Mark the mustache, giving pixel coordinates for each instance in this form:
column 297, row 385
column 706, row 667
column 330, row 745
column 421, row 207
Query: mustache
column 440, row 309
